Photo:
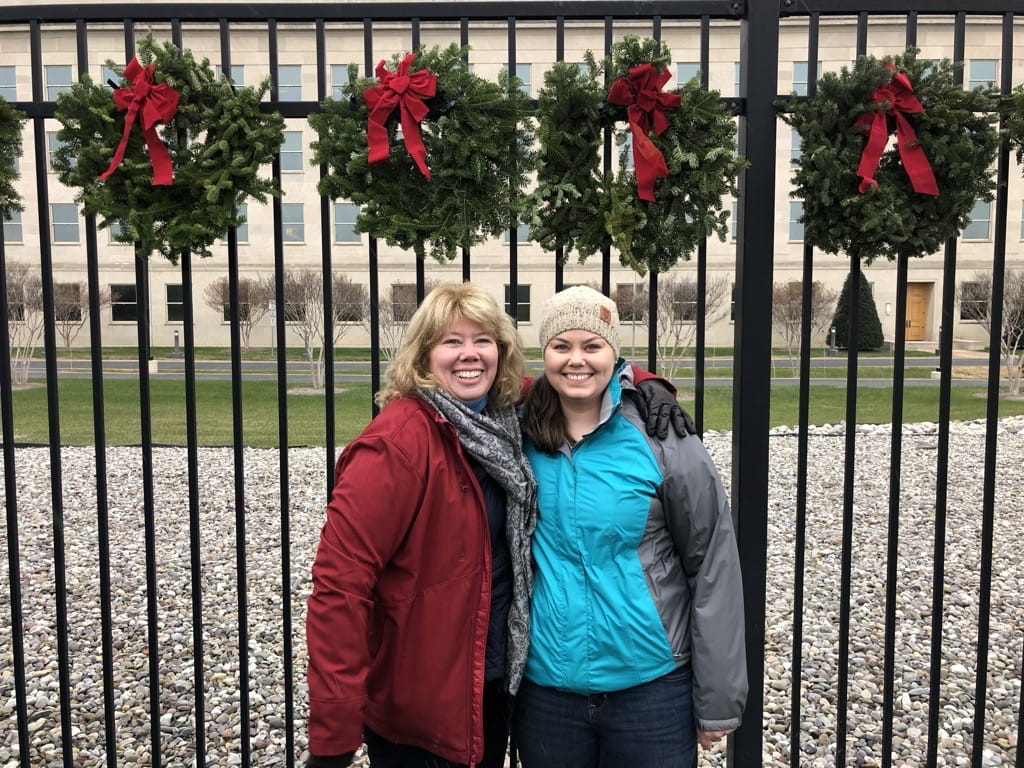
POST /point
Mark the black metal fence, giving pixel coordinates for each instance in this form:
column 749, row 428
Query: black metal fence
column 25, row 716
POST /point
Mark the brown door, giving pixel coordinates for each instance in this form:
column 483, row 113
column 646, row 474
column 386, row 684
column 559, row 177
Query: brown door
column 917, row 310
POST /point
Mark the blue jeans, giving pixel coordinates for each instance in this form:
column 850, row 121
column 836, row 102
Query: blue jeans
column 647, row 726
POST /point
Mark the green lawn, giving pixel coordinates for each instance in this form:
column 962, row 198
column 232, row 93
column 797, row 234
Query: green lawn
column 352, row 410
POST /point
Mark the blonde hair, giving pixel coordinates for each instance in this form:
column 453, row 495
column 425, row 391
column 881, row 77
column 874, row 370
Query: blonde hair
column 447, row 303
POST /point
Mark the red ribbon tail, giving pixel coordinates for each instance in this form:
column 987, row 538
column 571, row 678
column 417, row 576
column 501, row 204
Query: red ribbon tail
column 159, row 159
column 377, row 133
column 414, row 141
column 915, row 162
column 878, row 136
column 129, row 120
column 648, row 163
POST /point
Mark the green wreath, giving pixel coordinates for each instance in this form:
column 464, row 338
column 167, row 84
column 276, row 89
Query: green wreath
column 217, row 140
column 955, row 132
column 579, row 207
column 477, row 147
column 11, row 121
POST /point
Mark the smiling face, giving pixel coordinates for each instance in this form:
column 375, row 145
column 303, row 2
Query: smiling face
column 465, row 360
column 579, row 365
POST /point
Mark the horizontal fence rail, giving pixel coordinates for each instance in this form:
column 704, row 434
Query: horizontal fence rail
column 157, row 593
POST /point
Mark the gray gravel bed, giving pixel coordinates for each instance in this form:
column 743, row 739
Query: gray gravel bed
column 307, row 492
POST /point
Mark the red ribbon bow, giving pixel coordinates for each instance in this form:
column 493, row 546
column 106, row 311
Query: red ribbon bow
column 406, row 90
column 897, row 98
column 150, row 104
column 647, row 104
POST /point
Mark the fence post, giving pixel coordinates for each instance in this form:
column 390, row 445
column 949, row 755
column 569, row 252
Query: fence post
column 759, row 54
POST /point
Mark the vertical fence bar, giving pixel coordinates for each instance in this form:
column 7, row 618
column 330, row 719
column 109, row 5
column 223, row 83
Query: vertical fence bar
column 942, row 459
column 11, row 505
column 803, row 421
column 149, row 497
column 606, row 251
column 700, row 356
column 326, row 257
column 849, row 470
column 846, row 553
column 759, row 56
column 373, row 257
column 893, row 535
column 100, row 453
column 52, row 404
column 238, row 450
column 464, row 41
column 421, row 270
column 512, row 292
column 560, row 56
column 992, row 412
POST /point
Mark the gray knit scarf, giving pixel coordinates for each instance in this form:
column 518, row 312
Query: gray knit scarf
column 493, row 438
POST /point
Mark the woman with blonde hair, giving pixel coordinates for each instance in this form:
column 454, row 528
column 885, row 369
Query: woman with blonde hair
column 418, row 620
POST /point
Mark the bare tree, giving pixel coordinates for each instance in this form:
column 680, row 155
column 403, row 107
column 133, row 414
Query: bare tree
column 394, row 310
column 677, row 315
column 254, row 297
column 71, row 309
column 304, row 309
column 975, row 299
column 788, row 313
column 25, row 318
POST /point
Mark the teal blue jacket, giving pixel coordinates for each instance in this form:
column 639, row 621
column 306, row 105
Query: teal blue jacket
column 637, row 571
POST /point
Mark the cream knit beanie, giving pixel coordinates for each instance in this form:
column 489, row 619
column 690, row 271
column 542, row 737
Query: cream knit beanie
column 580, row 308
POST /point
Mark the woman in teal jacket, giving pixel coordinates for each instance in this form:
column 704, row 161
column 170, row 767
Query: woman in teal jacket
column 636, row 642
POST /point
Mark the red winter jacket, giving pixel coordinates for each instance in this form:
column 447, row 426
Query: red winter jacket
column 397, row 620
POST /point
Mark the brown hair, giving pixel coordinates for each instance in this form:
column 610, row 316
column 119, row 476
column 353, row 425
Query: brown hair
column 543, row 421
column 410, row 369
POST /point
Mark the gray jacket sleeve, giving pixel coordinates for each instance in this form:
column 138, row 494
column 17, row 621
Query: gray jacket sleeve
column 700, row 522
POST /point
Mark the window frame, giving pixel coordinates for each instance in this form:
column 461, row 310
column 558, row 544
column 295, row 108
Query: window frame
column 120, row 303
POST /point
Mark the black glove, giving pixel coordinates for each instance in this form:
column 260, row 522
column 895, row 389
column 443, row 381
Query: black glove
column 338, row 761
column 658, row 406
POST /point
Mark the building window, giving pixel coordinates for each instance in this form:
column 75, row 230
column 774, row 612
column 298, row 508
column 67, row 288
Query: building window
column 524, row 73
column 736, row 79
column 684, row 300
column 973, row 301
column 67, row 302
column 64, row 218
column 291, row 151
column 796, row 227
column 12, row 227
column 52, row 145
column 109, row 77
column 522, row 233
column 236, row 76
column 289, row 82
column 981, row 73
column 800, row 77
column 124, row 303
column 732, row 304
column 293, row 228
column 8, row 85
column 733, row 219
column 339, row 79
column 687, row 71
column 345, row 223
column 403, row 301
column 58, row 80
column 522, row 295
column 242, row 230
column 796, row 147
column 981, row 219
column 175, row 304
column 631, row 301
